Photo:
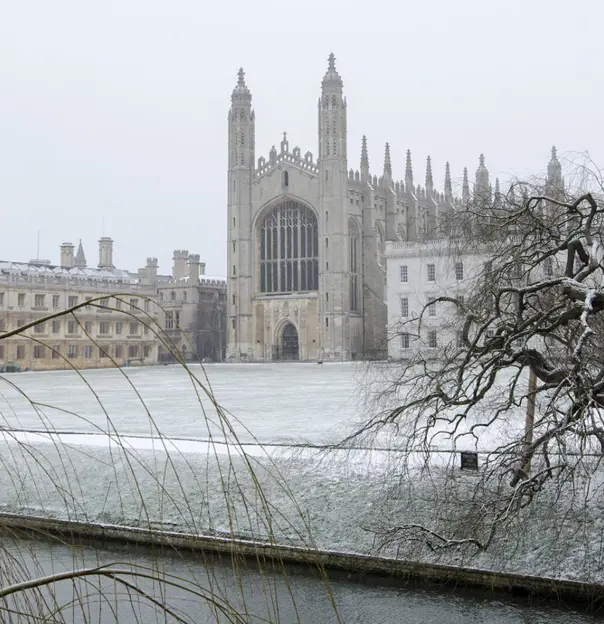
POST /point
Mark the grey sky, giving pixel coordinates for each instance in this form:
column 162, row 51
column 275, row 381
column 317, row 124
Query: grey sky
column 115, row 111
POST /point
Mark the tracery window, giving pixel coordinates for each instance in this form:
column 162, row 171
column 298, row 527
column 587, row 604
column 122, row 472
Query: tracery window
column 289, row 249
column 353, row 264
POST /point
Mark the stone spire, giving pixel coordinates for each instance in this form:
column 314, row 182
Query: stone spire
column 465, row 189
column 482, row 189
column 241, row 94
column 364, row 159
column 80, row 259
column 429, row 178
column 387, row 162
column 448, row 185
column 332, row 83
column 497, row 200
column 409, row 173
column 555, row 183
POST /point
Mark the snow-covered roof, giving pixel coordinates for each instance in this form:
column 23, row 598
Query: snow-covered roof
column 50, row 270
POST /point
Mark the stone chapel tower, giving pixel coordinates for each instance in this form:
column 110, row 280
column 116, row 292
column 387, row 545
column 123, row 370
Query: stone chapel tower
column 241, row 166
column 333, row 214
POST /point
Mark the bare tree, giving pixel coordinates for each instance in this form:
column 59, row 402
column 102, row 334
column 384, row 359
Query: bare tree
column 521, row 381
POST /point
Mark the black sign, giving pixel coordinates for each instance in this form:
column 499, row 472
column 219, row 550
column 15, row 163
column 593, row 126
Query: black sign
column 469, row 461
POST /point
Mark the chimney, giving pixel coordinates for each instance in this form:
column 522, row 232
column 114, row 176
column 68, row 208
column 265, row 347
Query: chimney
column 202, row 268
column 194, row 266
column 151, row 271
column 106, row 253
column 67, row 255
column 179, row 269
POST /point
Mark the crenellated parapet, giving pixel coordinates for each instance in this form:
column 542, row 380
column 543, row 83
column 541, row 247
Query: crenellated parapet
column 275, row 159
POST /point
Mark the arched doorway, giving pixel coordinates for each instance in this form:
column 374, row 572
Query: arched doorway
column 289, row 346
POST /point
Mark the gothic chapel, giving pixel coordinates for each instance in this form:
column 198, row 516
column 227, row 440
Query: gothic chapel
column 306, row 238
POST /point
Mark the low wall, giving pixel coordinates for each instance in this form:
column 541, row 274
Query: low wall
column 355, row 564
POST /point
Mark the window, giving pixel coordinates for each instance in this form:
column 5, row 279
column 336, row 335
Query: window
column 431, row 308
column 39, row 301
column 104, row 302
column 134, row 303
column 404, row 307
column 548, row 267
column 432, row 342
column 117, row 304
column 170, row 320
column 184, row 295
column 118, row 327
column 72, row 300
column 20, row 322
column 21, row 299
column 353, row 264
column 145, row 329
column 233, row 299
column 327, row 322
column 20, row 352
column 39, row 352
column 118, row 351
column 88, row 327
column 1, row 298
column 56, row 352
column 459, row 271
column 72, row 327
column 147, row 304
column 88, row 351
column 403, row 273
column 104, row 352
column 285, row 179
column 2, row 324
column 72, row 351
column 39, row 328
column 431, row 272
column 405, row 341
column 133, row 329
column 289, row 249
column 1, row 352
column 133, row 351
column 55, row 301
column 327, row 297
column 234, row 246
column 172, row 296
column 234, row 270
column 146, row 351
column 103, row 328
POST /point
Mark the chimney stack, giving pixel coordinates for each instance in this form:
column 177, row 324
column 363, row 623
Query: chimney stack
column 194, row 266
column 67, row 255
column 151, row 271
column 106, row 253
column 179, row 269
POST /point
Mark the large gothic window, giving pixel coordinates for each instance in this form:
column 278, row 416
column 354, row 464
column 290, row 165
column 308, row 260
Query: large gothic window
column 289, row 249
column 353, row 264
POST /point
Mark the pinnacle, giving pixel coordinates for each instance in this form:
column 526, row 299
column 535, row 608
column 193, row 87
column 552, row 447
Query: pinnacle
column 241, row 77
column 332, row 62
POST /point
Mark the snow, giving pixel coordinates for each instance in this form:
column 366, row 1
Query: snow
column 112, row 465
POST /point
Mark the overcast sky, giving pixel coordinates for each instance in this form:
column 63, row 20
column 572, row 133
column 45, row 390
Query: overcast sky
column 113, row 113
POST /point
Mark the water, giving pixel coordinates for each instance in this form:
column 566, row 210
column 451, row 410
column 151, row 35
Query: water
column 262, row 596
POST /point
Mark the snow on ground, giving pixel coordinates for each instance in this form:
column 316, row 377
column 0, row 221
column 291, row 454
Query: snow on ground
column 330, row 499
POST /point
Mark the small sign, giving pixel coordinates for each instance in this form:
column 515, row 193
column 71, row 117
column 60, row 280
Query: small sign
column 469, row 460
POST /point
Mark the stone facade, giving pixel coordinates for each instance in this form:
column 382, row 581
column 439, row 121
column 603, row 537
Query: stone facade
column 114, row 329
column 420, row 270
column 338, row 312
column 193, row 311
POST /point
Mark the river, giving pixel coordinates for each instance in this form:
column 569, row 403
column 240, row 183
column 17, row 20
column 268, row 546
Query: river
column 297, row 596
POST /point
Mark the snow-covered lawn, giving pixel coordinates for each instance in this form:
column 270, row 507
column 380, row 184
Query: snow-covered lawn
column 327, row 498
